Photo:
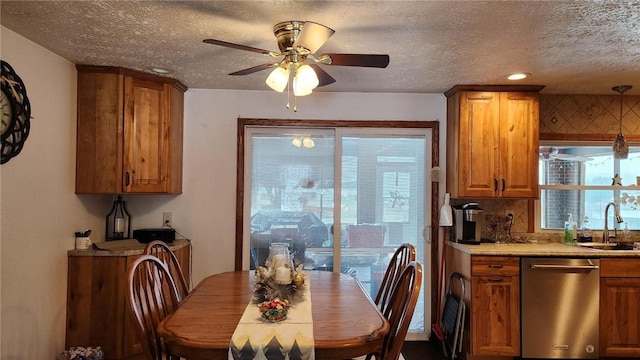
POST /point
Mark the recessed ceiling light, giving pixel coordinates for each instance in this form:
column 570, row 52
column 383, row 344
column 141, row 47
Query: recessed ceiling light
column 518, row 76
column 159, row 70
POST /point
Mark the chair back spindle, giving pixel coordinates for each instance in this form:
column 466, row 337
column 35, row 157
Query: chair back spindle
column 160, row 250
column 402, row 303
column 403, row 255
column 152, row 296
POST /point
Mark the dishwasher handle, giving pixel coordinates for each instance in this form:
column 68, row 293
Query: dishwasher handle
column 565, row 267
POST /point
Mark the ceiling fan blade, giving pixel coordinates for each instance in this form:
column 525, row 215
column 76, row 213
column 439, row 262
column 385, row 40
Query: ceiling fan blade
column 238, row 46
column 251, row 70
column 365, row 60
column 323, row 77
column 312, row 36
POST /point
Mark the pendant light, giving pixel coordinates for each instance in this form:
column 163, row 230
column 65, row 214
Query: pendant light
column 620, row 145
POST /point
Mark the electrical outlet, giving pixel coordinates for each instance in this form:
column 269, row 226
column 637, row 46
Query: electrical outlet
column 508, row 213
column 167, row 219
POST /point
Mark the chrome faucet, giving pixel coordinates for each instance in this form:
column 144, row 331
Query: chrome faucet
column 605, row 232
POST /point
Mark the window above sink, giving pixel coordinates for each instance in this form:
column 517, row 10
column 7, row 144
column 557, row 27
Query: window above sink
column 581, row 179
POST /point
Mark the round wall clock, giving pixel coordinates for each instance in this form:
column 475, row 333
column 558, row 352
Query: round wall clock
column 15, row 113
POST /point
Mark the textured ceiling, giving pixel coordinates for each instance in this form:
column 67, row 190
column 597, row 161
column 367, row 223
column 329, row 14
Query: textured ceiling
column 572, row 47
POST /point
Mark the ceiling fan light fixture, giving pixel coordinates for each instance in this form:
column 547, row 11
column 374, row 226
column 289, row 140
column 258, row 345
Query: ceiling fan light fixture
column 308, row 142
column 304, row 80
column 304, row 141
column 312, row 37
column 299, row 41
column 620, row 145
column 278, row 79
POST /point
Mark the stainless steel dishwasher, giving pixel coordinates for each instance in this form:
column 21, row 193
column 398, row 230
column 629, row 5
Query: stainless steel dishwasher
column 560, row 308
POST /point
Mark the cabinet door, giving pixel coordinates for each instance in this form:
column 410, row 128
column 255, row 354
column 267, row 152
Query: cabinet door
column 479, row 121
column 131, row 344
column 95, row 303
column 519, row 128
column 99, row 133
column 620, row 317
column 146, row 136
column 495, row 315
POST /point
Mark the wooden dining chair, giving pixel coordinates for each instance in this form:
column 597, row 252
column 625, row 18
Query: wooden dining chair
column 152, row 296
column 403, row 255
column 402, row 303
column 162, row 251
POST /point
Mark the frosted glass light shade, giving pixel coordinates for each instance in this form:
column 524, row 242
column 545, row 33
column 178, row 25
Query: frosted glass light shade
column 308, row 142
column 278, row 79
column 304, row 81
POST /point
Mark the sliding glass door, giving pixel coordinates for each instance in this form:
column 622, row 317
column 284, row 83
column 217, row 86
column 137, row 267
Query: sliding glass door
column 342, row 198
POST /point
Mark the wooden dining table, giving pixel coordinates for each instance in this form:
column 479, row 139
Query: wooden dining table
column 346, row 322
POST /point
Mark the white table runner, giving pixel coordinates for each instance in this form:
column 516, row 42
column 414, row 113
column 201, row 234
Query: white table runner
column 290, row 339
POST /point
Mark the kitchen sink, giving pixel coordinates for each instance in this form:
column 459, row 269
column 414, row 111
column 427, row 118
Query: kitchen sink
column 609, row 246
column 623, row 246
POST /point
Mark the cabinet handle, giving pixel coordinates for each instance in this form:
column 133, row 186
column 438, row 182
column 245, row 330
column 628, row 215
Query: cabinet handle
column 127, row 179
column 495, row 184
column 495, row 266
column 504, row 185
column 495, row 280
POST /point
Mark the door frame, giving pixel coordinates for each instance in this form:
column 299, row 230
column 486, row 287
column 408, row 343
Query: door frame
column 243, row 123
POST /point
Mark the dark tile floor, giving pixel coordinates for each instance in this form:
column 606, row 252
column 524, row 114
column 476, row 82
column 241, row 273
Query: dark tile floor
column 422, row 350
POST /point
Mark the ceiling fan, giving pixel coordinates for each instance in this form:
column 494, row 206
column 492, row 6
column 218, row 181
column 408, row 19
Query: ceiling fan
column 298, row 42
column 548, row 153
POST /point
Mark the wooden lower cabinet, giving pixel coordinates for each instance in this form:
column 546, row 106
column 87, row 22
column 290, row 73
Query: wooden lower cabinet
column 496, row 319
column 492, row 297
column 620, row 308
column 97, row 310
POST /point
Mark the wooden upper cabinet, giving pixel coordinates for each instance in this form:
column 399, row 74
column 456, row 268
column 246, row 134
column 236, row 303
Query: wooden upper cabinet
column 492, row 141
column 130, row 129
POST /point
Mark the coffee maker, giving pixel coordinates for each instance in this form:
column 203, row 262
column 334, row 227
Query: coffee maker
column 467, row 223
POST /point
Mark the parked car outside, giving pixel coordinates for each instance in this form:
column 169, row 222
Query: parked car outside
column 300, row 229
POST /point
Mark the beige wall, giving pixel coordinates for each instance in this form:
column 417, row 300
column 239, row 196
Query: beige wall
column 40, row 211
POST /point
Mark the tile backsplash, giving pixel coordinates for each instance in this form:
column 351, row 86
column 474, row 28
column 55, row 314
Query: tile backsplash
column 588, row 114
column 519, row 208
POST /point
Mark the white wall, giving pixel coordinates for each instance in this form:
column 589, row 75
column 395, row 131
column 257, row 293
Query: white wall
column 40, row 211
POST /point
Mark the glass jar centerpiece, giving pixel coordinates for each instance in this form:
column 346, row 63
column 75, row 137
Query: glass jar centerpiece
column 277, row 282
column 280, row 263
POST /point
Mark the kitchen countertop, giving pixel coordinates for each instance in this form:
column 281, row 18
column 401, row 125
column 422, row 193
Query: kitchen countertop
column 540, row 249
column 122, row 248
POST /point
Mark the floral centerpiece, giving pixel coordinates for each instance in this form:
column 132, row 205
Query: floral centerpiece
column 277, row 284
